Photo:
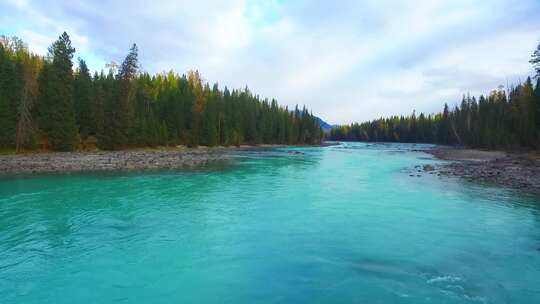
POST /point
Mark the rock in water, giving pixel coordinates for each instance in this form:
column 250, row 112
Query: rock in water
column 428, row 168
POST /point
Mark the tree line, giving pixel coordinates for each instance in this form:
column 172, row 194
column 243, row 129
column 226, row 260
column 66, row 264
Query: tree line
column 46, row 104
column 499, row 120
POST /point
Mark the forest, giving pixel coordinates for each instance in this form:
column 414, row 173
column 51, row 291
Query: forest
column 47, row 104
column 503, row 119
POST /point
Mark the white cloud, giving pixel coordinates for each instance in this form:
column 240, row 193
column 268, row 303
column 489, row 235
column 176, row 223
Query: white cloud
column 346, row 60
column 37, row 42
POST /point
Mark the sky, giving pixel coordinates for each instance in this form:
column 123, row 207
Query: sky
column 347, row 61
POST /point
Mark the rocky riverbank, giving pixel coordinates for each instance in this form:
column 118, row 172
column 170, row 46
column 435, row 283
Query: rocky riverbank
column 509, row 169
column 126, row 160
column 129, row 160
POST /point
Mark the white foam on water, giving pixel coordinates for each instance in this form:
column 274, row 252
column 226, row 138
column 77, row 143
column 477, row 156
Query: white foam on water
column 445, row 279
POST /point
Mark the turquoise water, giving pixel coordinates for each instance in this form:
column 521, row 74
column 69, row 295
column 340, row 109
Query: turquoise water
column 342, row 224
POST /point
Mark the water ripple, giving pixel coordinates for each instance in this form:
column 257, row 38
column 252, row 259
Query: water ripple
column 336, row 224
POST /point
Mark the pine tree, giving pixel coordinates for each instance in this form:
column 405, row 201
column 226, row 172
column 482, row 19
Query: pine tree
column 527, row 114
column 210, row 118
column 537, row 106
column 124, row 108
column 196, row 85
column 121, row 115
column 11, row 84
column 97, row 106
column 535, row 60
column 107, row 140
column 82, row 98
column 57, row 114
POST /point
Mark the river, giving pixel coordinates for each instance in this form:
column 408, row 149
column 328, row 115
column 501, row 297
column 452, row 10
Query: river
column 353, row 223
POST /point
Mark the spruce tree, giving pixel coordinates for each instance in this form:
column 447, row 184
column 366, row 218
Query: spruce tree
column 197, row 110
column 535, row 60
column 11, row 83
column 97, row 106
column 57, row 114
column 537, row 107
column 82, row 100
column 124, row 108
column 121, row 117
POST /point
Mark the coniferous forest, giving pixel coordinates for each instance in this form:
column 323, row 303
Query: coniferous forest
column 503, row 119
column 47, row 104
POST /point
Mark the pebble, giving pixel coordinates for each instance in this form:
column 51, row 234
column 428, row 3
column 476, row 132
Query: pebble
column 61, row 162
column 512, row 171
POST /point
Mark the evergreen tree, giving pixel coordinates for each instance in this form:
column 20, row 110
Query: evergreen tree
column 83, row 98
column 210, row 126
column 121, row 115
column 535, row 60
column 124, row 108
column 197, row 110
column 57, row 114
column 11, row 84
column 97, row 106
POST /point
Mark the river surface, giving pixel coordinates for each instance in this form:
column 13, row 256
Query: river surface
column 341, row 224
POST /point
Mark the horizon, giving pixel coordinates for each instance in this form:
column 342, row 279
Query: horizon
column 354, row 65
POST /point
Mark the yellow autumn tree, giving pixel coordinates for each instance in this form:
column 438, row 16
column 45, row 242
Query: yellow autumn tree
column 196, row 84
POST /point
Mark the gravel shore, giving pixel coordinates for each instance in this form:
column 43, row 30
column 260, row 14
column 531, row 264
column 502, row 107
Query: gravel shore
column 509, row 169
column 169, row 158
column 129, row 160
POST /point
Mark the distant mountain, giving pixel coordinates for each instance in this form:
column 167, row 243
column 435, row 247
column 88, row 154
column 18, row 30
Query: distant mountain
column 324, row 125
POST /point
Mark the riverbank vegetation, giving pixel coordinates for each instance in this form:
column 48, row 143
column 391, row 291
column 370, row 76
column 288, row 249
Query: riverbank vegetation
column 46, row 104
column 502, row 119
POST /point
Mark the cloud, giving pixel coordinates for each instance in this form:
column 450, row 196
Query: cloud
column 346, row 60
